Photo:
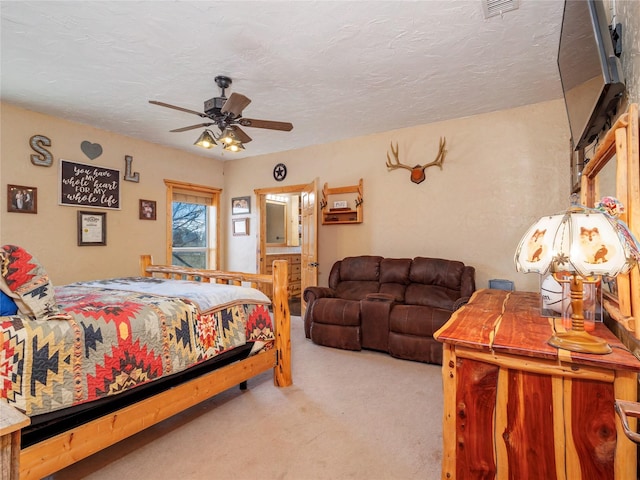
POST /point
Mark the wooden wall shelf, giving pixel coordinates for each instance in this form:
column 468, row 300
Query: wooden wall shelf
column 352, row 213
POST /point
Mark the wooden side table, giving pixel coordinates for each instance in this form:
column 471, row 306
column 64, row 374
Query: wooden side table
column 11, row 421
column 515, row 407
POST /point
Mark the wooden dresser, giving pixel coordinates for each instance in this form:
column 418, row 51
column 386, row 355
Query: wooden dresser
column 517, row 408
column 295, row 278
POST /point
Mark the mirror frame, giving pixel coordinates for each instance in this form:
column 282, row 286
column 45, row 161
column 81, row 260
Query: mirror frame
column 620, row 142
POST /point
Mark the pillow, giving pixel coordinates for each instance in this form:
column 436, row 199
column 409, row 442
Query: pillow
column 7, row 305
column 27, row 283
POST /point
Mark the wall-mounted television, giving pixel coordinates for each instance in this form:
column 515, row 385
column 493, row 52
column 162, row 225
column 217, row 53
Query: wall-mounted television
column 590, row 72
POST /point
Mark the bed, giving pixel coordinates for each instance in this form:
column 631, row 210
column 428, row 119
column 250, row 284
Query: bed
column 92, row 363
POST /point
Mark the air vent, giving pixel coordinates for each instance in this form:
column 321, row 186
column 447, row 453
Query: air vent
column 498, row 7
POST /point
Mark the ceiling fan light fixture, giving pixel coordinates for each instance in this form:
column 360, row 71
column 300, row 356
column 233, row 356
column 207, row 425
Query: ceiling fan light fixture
column 206, row 140
column 226, row 114
column 228, row 136
column 234, row 147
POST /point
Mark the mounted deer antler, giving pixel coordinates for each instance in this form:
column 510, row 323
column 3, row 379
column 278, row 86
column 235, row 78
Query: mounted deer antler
column 417, row 172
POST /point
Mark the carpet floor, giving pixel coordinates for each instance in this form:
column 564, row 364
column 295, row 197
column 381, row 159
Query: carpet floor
column 348, row 415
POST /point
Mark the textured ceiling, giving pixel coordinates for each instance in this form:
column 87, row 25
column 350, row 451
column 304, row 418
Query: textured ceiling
column 334, row 69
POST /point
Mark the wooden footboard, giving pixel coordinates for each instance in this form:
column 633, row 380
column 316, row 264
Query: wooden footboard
column 279, row 302
column 53, row 454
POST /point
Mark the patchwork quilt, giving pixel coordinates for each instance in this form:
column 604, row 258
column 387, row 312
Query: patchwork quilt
column 111, row 336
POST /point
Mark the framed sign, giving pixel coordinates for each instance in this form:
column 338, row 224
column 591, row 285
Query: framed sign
column 21, row 199
column 240, row 205
column 240, row 227
column 147, row 209
column 92, row 228
column 89, row 185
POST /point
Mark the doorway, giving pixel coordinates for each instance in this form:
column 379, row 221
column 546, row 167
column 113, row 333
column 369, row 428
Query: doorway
column 292, row 213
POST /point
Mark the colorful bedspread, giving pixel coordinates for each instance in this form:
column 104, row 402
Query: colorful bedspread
column 118, row 339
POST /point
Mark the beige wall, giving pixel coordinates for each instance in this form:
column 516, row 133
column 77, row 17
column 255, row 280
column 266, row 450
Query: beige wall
column 51, row 235
column 502, row 171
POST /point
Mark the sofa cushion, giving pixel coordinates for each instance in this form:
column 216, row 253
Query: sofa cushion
column 363, row 268
column 395, row 270
column 436, row 271
column 430, row 296
column 394, row 277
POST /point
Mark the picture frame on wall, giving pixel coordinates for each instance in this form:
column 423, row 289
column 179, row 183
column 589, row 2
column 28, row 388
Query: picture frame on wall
column 22, row 199
column 147, row 209
column 240, row 205
column 92, row 228
column 240, row 227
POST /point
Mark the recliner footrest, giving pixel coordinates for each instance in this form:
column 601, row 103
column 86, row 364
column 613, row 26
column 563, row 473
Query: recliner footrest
column 336, row 323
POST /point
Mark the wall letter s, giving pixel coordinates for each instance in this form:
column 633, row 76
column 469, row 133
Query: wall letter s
column 45, row 159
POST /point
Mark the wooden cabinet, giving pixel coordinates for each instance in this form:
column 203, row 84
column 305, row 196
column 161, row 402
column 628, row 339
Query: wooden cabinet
column 352, row 198
column 515, row 407
column 295, row 274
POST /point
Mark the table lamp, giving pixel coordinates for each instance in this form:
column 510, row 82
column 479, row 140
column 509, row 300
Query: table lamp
column 585, row 243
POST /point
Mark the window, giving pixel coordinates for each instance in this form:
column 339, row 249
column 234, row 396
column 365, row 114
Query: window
column 192, row 232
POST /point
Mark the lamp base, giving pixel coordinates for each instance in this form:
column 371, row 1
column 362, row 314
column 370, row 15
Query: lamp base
column 579, row 341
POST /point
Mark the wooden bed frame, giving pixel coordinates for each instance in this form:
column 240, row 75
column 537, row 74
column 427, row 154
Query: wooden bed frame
column 58, row 452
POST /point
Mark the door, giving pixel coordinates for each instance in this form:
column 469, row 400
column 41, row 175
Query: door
column 309, row 250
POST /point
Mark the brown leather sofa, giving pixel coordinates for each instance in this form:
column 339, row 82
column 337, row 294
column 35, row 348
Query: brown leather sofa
column 389, row 304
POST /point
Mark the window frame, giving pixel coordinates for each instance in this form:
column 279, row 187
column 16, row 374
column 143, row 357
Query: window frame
column 213, row 248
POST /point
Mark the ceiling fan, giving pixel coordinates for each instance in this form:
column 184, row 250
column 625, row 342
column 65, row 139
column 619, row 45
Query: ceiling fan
column 226, row 114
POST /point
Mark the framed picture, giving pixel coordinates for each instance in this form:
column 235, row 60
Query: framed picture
column 21, row 199
column 240, row 205
column 88, row 185
column 147, row 209
column 92, row 228
column 240, row 227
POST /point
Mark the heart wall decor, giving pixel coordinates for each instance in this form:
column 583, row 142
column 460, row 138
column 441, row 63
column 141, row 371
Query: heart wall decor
column 91, row 150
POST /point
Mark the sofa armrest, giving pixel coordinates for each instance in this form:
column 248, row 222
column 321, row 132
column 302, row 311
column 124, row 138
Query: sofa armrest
column 311, row 294
column 459, row 303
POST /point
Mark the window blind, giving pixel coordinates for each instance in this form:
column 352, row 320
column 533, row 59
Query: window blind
column 199, row 198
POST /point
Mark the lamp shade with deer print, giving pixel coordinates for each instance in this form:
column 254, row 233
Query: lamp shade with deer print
column 582, row 240
column 584, row 243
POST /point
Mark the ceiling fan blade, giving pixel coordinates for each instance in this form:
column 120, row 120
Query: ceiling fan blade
column 184, row 129
column 270, row 124
column 162, row 104
column 235, row 104
column 242, row 136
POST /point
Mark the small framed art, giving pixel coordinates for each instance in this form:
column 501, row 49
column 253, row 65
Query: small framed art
column 92, row 228
column 21, row 199
column 240, row 227
column 147, row 209
column 240, row 205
